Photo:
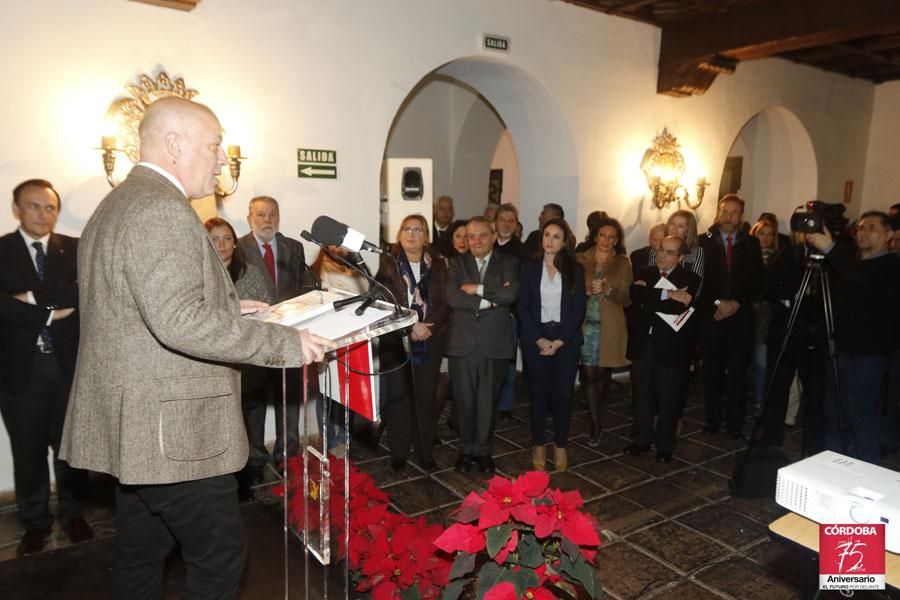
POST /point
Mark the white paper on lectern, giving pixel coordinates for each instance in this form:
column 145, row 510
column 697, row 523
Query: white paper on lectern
column 315, row 311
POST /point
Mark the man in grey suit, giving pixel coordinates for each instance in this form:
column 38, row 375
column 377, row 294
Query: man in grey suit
column 282, row 259
column 481, row 288
column 156, row 396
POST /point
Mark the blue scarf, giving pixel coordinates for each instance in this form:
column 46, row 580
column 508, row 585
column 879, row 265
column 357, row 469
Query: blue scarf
column 419, row 292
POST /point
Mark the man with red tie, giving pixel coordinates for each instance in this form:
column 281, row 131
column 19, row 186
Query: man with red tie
column 283, row 260
column 733, row 276
column 656, row 349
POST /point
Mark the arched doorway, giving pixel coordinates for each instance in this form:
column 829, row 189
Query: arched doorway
column 771, row 165
column 474, row 112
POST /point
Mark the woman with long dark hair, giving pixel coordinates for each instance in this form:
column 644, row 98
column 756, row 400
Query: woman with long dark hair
column 551, row 309
column 607, row 273
column 417, row 276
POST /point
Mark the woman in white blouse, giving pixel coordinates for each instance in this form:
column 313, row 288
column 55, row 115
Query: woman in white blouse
column 551, row 309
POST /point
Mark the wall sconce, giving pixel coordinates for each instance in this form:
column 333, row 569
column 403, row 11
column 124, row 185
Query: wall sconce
column 663, row 166
column 125, row 114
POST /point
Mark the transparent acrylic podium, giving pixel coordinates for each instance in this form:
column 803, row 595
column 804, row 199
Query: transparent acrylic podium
column 325, row 529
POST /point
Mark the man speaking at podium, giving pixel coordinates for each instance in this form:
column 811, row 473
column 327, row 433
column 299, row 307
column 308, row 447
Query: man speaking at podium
column 156, row 396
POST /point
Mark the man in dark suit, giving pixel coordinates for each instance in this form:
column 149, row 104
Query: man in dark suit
column 481, row 288
column 733, row 277
column 39, row 341
column 440, row 228
column 505, row 224
column 283, row 260
column 656, row 349
column 640, row 258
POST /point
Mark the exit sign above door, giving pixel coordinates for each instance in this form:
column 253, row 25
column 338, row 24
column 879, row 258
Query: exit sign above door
column 497, row 43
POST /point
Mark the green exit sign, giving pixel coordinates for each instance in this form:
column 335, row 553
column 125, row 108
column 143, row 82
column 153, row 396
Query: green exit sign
column 497, row 43
column 316, row 164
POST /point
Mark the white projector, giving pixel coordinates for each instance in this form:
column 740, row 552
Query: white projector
column 833, row 488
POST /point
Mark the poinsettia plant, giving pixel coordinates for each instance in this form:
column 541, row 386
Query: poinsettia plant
column 538, row 542
column 517, row 539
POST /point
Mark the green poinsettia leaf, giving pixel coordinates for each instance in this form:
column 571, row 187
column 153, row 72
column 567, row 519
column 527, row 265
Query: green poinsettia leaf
column 569, row 548
column 496, row 538
column 489, row 576
column 522, row 579
column 579, row 572
column 455, row 589
column 529, row 552
column 462, row 565
column 411, row 593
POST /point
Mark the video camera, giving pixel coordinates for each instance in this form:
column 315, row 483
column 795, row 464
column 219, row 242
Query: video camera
column 814, row 215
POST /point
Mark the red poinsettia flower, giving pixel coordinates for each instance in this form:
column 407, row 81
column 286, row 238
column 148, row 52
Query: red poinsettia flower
column 505, row 498
column 502, row 591
column 563, row 515
column 459, row 536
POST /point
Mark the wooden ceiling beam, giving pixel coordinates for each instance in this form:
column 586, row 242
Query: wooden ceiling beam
column 761, row 30
column 185, row 5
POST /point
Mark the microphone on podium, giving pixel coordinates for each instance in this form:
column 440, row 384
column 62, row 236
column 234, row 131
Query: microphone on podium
column 326, row 230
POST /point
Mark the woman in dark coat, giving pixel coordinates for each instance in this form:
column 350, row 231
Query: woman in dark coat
column 417, row 276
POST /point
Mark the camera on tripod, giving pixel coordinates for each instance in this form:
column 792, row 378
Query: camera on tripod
column 815, row 215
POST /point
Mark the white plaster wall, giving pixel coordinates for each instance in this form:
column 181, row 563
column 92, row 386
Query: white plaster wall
column 505, row 158
column 881, row 186
column 333, row 75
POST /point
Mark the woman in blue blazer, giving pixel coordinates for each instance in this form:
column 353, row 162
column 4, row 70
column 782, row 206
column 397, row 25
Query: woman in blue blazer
column 551, row 309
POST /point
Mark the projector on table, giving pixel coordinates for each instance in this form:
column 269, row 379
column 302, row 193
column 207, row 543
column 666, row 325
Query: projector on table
column 832, row 488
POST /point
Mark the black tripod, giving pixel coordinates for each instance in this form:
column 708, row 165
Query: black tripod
column 814, row 273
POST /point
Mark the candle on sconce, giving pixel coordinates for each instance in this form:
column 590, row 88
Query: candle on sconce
column 234, row 151
column 108, row 142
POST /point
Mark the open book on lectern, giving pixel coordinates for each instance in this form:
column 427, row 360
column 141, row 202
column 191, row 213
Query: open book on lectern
column 314, row 311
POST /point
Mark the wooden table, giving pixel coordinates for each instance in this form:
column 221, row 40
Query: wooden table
column 800, row 531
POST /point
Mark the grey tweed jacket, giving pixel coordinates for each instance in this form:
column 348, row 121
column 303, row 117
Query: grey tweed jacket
column 156, row 395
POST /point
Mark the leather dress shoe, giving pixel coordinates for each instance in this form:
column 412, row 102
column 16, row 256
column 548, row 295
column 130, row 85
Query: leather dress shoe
column 664, row 456
column 464, row 463
column 735, row 434
column 33, row 541
column 78, row 530
column 635, row 449
column 486, row 464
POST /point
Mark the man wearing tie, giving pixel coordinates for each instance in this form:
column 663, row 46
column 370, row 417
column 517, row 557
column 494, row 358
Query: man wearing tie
column 481, row 288
column 656, row 350
column 733, row 276
column 39, row 340
column 282, row 258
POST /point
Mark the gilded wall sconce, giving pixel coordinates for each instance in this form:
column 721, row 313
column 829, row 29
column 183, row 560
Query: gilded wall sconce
column 663, row 167
column 124, row 117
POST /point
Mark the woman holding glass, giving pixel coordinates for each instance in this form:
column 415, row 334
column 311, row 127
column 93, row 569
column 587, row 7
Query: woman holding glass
column 607, row 273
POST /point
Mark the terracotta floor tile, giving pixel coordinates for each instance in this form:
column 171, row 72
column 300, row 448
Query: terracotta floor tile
column 663, row 497
column 746, row 580
column 570, row 481
column 621, row 516
column 727, row 527
column 629, row 573
column 678, row 545
column 610, row 473
column 701, row 482
column 686, row 590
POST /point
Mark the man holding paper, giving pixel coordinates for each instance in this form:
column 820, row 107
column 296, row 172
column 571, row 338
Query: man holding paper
column 661, row 298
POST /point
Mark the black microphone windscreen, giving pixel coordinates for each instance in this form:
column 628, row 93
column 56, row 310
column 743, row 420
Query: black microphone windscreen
column 307, row 236
column 328, row 231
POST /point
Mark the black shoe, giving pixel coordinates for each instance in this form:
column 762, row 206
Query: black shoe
column 486, row 464
column 464, row 463
column 398, row 466
column 593, row 442
column 78, row 530
column 635, row 449
column 711, row 429
column 735, row 434
column 33, row 541
column 245, row 492
column 663, row 456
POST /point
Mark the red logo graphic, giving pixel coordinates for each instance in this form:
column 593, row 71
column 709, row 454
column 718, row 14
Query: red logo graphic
column 851, row 556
